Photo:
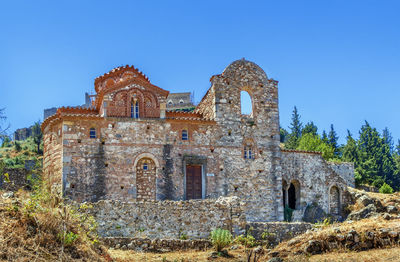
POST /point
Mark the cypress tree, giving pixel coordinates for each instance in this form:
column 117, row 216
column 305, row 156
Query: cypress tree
column 295, row 128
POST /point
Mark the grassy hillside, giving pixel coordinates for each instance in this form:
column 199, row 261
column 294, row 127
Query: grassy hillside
column 14, row 153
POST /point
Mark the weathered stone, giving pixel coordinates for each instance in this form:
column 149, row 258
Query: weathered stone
column 313, row 247
column 314, row 214
column 363, row 213
column 391, row 209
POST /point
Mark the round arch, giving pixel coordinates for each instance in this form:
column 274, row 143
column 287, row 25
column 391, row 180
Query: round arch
column 334, row 199
column 146, row 155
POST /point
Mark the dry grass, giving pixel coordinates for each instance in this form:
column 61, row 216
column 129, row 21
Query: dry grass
column 178, row 256
column 31, row 230
column 374, row 255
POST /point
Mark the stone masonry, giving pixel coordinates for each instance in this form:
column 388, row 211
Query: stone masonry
column 129, row 145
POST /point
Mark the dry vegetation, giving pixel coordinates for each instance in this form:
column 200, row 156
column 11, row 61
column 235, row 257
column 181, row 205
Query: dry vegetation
column 37, row 227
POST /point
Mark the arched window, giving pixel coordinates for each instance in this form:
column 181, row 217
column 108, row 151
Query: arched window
column 92, row 132
column 248, row 152
column 246, row 104
column 134, row 109
column 181, row 101
column 185, row 135
column 170, row 103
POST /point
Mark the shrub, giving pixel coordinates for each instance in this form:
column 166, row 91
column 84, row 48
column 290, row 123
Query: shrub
column 385, row 189
column 287, row 213
column 221, row 238
column 17, row 146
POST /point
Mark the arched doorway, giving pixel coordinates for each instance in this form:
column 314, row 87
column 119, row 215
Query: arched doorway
column 294, row 195
column 145, row 179
column 334, row 201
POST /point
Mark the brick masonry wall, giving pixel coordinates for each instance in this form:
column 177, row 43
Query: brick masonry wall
column 52, row 156
column 167, row 219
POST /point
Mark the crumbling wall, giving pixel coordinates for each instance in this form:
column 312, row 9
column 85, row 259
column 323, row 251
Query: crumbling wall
column 345, row 170
column 314, row 176
column 194, row 219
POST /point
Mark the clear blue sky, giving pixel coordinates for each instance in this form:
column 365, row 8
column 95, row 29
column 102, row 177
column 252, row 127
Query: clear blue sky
column 337, row 61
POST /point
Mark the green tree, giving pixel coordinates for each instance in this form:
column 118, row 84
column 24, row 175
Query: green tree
column 350, row 150
column 37, row 135
column 283, row 134
column 388, row 139
column 324, row 137
column 310, row 128
column 295, row 131
column 386, row 189
column 310, row 142
column 17, row 146
column 333, row 140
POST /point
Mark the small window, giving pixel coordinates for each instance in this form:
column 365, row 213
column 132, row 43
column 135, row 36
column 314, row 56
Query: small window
column 248, row 152
column 135, row 109
column 184, row 135
column 92, row 132
column 170, row 103
column 145, row 166
column 181, row 101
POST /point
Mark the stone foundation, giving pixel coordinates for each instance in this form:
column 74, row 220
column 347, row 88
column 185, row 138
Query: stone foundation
column 155, row 245
column 276, row 232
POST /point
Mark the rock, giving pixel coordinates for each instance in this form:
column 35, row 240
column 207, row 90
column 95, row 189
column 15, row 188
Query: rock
column 369, row 235
column 273, row 253
column 313, row 247
column 363, row 213
column 117, row 246
column 393, row 234
column 314, row 214
column 391, row 209
column 8, row 195
column 259, row 250
column 130, row 245
column 213, row 254
column 365, row 200
column 275, row 259
column 124, row 247
column 340, row 237
column 293, row 241
column 384, row 232
column 234, row 247
column 386, row 216
column 336, row 230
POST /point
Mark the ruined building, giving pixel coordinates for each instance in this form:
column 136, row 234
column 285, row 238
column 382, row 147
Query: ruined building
column 136, row 142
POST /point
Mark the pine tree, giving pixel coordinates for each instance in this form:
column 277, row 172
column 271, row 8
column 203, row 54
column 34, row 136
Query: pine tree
column 283, row 134
column 388, row 139
column 333, row 140
column 295, row 128
column 324, row 137
column 350, row 150
column 310, row 128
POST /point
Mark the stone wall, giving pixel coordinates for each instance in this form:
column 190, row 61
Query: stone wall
column 313, row 178
column 345, row 170
column 167, row 219
column 155, row 245
column 52, row 156
column 22, row 133
column 276, row 232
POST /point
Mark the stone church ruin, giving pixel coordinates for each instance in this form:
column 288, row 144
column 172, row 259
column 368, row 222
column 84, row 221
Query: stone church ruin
column 146, row 157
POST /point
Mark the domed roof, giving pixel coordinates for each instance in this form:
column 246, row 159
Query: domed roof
column 244, row 66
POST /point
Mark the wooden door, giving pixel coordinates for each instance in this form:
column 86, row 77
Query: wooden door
column 193, row 182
